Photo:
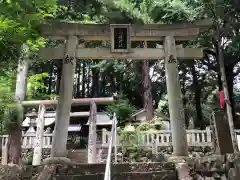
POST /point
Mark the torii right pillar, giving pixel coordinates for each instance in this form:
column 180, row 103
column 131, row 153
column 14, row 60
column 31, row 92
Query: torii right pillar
column 175, row 104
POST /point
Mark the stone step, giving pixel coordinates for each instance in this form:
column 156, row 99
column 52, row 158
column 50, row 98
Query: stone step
column 83, row 169
column 213, row 174
column 154, row 175
column 78, row 156
column 102, row 154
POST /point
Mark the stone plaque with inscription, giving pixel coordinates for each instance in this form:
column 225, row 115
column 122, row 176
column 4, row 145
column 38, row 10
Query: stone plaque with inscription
column 222, row 134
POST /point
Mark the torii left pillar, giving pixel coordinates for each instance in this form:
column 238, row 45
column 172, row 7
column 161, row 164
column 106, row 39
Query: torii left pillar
column 176, row 111
column 60, row 135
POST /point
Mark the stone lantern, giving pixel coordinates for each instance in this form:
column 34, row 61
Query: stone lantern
column 32, row 121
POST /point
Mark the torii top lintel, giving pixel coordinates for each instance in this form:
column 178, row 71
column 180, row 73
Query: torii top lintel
column 184, row 31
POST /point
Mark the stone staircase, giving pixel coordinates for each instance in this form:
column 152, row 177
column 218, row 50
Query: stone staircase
column 78, row 155
column 135, row 171
column 102, row 154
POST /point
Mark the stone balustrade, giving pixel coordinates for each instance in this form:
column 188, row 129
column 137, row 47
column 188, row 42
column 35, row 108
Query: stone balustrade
column 162, row 138
column 28, row 141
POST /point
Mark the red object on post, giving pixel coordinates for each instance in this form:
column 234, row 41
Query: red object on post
column 222, row 99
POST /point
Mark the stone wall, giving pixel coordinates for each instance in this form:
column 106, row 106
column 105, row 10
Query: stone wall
column 214, row 167
column 133, row 171
column 132, row 154
column 27, row 155
column 32, row 172
column 221, row 167
column 18, row 173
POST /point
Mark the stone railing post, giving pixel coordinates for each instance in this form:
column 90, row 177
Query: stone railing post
column 154, row 145
column 209, row 134
column 104, row 138
column 4, row 150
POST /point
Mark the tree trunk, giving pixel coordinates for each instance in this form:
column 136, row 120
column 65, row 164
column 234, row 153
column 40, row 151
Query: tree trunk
column 83, row 78
column 197, row 97
column 95, row 78
column 230, row 78
column 147, row 86
column 219, row 81
column 103, row 86
column 14, row 141
column 88, row 78
column 184, row 98
column 78, row 93
column 219, row 51
column 50, row 78
column 59, row 76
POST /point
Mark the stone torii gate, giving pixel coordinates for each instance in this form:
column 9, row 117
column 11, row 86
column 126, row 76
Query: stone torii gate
column 121, row 36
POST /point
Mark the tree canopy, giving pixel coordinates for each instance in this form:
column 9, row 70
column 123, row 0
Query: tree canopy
column 19, row 24
column 200, row 79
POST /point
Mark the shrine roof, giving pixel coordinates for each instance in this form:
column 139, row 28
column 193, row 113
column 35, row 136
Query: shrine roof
column 103, row 118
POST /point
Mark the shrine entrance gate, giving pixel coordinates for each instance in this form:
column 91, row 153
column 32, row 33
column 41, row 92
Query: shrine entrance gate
column 168, row 46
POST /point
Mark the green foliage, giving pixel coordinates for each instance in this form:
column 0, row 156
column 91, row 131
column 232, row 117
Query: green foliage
column 122, row 108
column 131, row 138
column 126, row 75
column 150, row 126
column 10, row 112
column 36, row 87
column 154, row 11
column 13, row 116
column 136, row 154
column 163, row 105
column 80, row 11
column 132, row 135
column 27, row 158
column 19, row 24
column 6, row 97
